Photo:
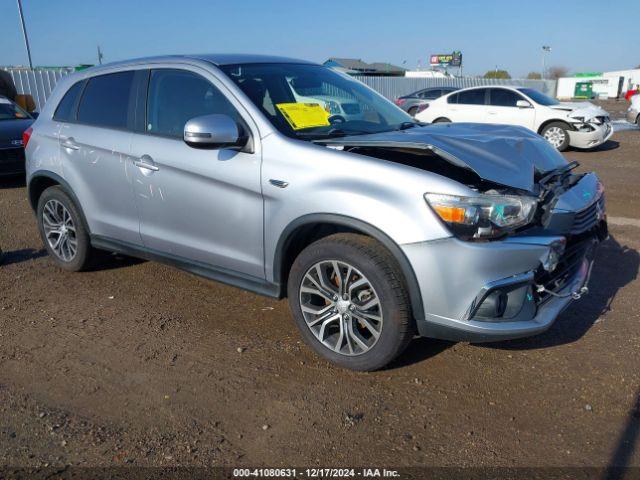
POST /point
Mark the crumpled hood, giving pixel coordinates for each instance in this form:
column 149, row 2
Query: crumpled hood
column 581, row 109
column 11, row 130
column 502, row 154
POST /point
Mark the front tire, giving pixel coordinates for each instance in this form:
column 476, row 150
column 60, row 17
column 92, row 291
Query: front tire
column 62, row 230
column 348, row 298
column 557, row 134
column 442, row 120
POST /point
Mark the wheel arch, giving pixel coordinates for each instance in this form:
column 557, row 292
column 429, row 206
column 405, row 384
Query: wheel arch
column 309, row 228
column 544, row 124
column 43, row 179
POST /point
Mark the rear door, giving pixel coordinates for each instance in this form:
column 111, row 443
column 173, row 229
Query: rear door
column 95, row 140
column 195, row 204
column 503, row 108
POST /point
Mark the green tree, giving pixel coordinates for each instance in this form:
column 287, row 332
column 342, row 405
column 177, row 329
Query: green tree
column 534, row 76
column 497, row 74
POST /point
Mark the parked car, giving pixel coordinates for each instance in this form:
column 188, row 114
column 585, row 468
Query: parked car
column 580, row 125
column 374, row 229
column 633, row 113
column 13, row 122
column 415, row 102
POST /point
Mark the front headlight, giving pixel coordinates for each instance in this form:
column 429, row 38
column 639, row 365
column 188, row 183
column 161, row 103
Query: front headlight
column 482, row 216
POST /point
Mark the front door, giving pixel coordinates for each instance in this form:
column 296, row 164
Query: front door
column 503, row 108
column 195, row 204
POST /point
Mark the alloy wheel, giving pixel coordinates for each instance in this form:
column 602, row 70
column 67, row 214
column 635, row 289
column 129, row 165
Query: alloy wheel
column 341, row 307
column 555, row 136
column 59, row 230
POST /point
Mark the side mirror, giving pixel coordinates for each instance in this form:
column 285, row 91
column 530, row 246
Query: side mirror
column 213, row 131
column 523, row 104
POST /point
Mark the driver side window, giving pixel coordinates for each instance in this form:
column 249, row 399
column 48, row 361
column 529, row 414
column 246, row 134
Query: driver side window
column 177, row 96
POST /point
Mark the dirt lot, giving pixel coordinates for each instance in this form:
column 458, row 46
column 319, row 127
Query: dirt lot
column 136, row 363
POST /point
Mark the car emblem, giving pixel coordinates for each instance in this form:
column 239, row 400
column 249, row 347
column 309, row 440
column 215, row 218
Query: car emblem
column 16, row 142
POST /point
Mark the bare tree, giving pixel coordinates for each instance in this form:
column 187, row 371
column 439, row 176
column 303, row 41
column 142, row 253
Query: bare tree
column 556, row 72
column 534, row 76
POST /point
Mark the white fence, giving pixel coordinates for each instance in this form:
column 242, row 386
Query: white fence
column 40, row 82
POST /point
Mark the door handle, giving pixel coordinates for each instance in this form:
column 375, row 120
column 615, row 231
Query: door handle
column 70, row 143
column 146, row 163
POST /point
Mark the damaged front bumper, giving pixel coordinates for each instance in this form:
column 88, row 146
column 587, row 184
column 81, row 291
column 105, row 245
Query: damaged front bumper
column 499, row 290
column 596, row 135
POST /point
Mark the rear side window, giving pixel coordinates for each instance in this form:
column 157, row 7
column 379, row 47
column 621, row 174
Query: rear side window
column 105, row 101
column 452, row 98
column 431, row 94
column 66, row 111
column 177, row 96
column 499, row 97
column 472, row 97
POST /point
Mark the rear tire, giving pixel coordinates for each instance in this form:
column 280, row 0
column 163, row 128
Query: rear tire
column 557, row 134
column 62, row 230
column 442, row 120
column 413, row 111
column 361, row 320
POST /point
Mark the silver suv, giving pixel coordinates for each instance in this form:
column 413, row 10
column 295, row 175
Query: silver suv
column 375, row 227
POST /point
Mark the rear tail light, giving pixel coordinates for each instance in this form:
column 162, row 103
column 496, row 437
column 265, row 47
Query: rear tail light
column 422, row 107
column 26, row 136
column 400, row 101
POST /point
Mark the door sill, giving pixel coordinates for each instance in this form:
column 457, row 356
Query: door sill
column 219, row 274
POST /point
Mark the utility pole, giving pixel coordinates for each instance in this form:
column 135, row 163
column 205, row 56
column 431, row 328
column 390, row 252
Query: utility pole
column 545, row 49
column 100, row 55
column 24, row 32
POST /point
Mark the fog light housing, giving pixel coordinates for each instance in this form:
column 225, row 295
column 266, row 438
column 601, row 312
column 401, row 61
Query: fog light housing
column 494, row 305
column 556, row 249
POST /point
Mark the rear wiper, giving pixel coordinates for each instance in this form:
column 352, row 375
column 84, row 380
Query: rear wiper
column 558, row 171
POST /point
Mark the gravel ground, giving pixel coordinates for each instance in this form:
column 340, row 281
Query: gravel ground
column 139, row 364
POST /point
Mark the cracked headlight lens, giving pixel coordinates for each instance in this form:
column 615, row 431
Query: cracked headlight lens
column 483, row 216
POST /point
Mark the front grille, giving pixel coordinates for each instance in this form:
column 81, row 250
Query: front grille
column 11, row 157
column 588, row 218
column 351, row 108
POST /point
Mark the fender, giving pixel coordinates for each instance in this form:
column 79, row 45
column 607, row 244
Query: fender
column 345, row 221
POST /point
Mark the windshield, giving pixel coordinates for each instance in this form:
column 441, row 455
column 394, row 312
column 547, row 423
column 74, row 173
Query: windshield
column 10, row 111
column 539, row 98
column 312, row 102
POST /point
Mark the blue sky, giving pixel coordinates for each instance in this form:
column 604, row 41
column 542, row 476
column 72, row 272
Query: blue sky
column 586, row 35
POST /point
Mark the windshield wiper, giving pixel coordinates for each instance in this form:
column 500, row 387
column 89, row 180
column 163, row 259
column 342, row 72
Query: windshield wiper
column 558, row 171
column 334, row 132
column 406, row 125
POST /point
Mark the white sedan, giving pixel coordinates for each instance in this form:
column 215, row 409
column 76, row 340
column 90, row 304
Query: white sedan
column 580, row 125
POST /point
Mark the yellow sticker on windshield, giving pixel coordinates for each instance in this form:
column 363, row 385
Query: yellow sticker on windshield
column 304, row 115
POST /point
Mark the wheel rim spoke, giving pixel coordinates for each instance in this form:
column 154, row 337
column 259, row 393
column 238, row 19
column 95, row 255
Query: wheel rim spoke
column 59, row 230
column 340, row 307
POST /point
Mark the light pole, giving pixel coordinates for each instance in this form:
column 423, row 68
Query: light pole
column 24, row 32
column 545, row 49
